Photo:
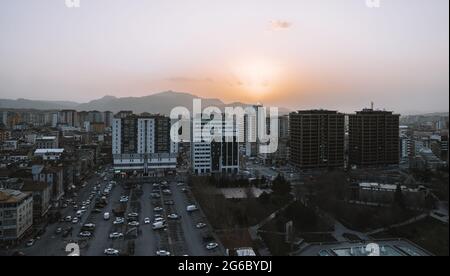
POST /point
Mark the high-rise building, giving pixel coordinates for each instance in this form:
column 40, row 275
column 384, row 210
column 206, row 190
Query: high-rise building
column 107, row 118
column 68, row 117
column 142, row 143
column 374, row 138
column 317, row 139
column 250, row 129
column 220, row 155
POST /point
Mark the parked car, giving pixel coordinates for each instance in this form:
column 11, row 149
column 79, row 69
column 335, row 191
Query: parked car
column 85, row 234
column 163, row 253
column 118, row 221
column 212, row 246
column 111, row 252
column 200, row 225
column 173, row 216
column 115, row 235
column 30, row 243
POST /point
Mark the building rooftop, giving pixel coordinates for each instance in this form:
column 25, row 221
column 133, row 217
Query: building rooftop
column 393, row 247
column 45, row 151
column 12, row 196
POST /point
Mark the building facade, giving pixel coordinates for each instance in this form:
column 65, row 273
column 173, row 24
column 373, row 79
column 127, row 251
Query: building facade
column 142, row 143
column 16, row 214
column 317, row 139
column 374, row 138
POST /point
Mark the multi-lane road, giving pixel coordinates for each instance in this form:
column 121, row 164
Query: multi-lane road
column 181, row 237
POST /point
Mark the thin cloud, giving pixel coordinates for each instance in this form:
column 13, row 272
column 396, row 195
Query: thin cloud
column 280, row 25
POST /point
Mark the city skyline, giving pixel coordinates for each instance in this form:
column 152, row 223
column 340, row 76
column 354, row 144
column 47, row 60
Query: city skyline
column 298, row 54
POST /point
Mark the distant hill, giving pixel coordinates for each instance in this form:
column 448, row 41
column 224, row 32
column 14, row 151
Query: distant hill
column 40, row 105
column 161, row 103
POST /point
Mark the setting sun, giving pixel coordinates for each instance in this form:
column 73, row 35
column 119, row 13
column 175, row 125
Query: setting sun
column 257, row 77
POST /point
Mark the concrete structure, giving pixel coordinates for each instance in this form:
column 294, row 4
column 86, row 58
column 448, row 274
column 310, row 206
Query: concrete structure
column 374, row 138
column 317, row 139
column 391, row 248
column 142, row 143
column 47, row 142
column 16, row 214
column 220, row 155
column 378, row 193
column 49, row 154
column 53, row 176
column 69, row 118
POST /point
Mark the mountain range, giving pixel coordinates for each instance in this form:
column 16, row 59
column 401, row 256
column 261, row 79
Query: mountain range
column 161, row 103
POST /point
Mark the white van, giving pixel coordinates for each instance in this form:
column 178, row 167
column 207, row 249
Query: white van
column 106, row 216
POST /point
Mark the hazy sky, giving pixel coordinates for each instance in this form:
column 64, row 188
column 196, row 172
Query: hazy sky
column 336, row 54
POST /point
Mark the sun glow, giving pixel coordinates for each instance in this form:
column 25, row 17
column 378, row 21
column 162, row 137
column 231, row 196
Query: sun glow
column 257, row 77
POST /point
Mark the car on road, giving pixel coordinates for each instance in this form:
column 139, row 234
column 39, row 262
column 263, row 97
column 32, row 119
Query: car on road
column 180, row 184
column 115, row 235
column 111, row 252
column 106, row 216
column 200, row 225
column 89, row 227
column 85, row 234
column 123, row 199
column 163, row 253
column 158, row 225
column 133, row 223
column 212, row 246
column 158, row 219
column 133, row 215
column 158, row 209
column 75, row 220
column 118, row 221
column 147, row 221
column 30, row 243
column 173, row 216
column 58, row 230
column 191, row 208
column 155, row 195
column 68, row 219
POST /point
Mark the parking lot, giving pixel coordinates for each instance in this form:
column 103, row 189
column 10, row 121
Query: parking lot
column 139, row 217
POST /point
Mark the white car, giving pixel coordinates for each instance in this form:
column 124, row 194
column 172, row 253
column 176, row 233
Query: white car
column 133, row 224
column 106, row 216
column 191, row 208
column 85, row 234
column 158, row 225
column 75, row 220
column 200, row 225
column 163, row 253
column 212, row 246
column 173, row 216
column 147, row 221
column 119, row 221
column 158, row 209
column 115, row 235
column 111, row 252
